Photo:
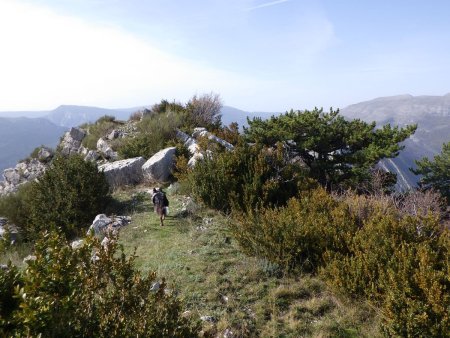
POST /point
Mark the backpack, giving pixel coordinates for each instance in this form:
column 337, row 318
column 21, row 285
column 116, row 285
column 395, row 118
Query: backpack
column 160, row 200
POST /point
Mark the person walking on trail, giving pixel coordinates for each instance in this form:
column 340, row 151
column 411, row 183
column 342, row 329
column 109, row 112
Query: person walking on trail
column 160, row 203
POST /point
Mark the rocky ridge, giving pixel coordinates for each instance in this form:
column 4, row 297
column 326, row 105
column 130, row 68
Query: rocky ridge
column 119, row 172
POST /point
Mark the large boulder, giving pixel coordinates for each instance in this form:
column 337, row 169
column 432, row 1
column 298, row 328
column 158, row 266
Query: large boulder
column 159, row 167
column 104, row 148
column 71, row 142
column 91, row 155
column 123, row 172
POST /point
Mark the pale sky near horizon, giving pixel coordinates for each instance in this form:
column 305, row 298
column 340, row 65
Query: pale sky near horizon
column 259, row 55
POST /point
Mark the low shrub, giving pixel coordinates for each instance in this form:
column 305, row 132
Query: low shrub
column 16, row 207
column 102, row 127
column 246, row 177
column 401, row 264
column 69, row 195
column 90, row 291
column 156, row 131
column 297, row 235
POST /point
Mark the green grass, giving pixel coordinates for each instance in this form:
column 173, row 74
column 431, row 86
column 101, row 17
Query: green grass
column 203, row 265
column 205, row 268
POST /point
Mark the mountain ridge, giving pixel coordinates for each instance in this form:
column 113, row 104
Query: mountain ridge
column 431, row 113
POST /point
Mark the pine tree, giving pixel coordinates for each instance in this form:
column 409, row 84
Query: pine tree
column 338, row 152
column 436, row 173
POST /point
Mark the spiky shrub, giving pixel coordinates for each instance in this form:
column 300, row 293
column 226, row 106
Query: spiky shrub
column 246, row 177
column 69, row 195
column 90, row 291
column 401, row 264
column 297, row 235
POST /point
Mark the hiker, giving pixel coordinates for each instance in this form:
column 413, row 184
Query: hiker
column 160, row 203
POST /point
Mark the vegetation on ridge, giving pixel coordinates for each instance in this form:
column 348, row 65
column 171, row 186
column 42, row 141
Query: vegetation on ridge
column 436, row 173
column 339, row 153
column 288, row 251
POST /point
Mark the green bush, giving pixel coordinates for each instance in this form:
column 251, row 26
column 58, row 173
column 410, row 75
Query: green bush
column 69, row 195
column 246, row 177
column 16, row 207
column 297, row 235
column 91, row 291
column 402, row 265
column 155, row 132
column 102, row 127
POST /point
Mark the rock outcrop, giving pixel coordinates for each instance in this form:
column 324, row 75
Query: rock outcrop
column 91, row 155
column 191, row 143
column 22, row 173
column 11, row 229
column 104, row 225
column 202, row 132
column 188, row 142
column 71, row 142
column 159, row 167
column 45, row 154
column 123, row 172
column 104, row 148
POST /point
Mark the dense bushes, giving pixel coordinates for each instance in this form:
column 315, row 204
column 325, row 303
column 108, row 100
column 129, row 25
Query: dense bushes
column 365, row 246
column 155, row 132
column 69, row 195
column 245, row 178
column 92, row 291
column 402, row 265
column 297, row 235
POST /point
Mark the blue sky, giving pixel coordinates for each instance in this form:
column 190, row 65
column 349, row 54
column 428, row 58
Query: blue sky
column 259, row 55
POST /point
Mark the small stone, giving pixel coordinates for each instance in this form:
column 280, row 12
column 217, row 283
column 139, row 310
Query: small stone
column 155, row 287
column 228, row 334
column 209, row 319
column 76, row 244
column 29, row 258
column 186, row 314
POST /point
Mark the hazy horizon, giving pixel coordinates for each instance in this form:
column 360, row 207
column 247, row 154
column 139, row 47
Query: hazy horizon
column 259, row 55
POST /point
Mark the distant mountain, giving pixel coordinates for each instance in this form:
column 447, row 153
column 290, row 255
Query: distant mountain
column 431, row 113
column 19, row 136
column 231, row 114
column 71, row 116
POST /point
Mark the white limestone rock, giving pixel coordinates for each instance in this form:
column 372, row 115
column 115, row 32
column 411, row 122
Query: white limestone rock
column 123, row 172
column 159, row 167
column 72, row 141
column 104, row 148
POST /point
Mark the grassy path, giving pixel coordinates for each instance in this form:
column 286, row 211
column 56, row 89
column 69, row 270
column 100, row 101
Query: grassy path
column 204, row 267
